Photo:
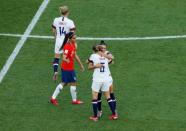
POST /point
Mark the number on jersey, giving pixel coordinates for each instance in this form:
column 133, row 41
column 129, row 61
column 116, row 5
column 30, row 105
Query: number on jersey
column 62, row 31
column 102, row 69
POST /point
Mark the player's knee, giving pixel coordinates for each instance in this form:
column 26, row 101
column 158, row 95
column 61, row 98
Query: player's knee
column 57, row 55
column 73, row 84
column 107, row 94
column 94, row 95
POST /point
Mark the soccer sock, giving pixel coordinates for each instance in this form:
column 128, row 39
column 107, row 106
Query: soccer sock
column 95, row 107
column 55, row 64
column 113, row 99
column 57, row 91
column 111, row 104
column 99, row 101
column 73, row 93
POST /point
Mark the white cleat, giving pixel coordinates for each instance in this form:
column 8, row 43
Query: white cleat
column 99, row 113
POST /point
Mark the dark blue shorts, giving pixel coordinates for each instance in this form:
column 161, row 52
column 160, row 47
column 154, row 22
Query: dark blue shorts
column 68, row 76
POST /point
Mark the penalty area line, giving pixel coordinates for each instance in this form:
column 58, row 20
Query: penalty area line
column 102, row 38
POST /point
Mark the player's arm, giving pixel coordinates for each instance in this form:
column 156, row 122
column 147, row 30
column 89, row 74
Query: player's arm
column 54, row 32
column 72, row 26
column 108, row 56
column 65, row 59
column 91, row 66
column 54, row 28
column 79, row 62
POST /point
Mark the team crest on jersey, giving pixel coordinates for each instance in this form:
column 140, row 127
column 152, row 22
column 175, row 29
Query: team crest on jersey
column 66, row 51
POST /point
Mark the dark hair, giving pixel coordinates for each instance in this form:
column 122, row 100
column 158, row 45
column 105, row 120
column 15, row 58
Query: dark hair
column 70, row 35
column 102, row 42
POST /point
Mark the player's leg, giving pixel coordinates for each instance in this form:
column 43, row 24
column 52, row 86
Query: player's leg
column 64, row 81
column 99, row 104
column 95, row 89
column 73, row 85
column 112, row 96
column 58, row 89
column 57, row 55
column 73, row 91
column 106, row 91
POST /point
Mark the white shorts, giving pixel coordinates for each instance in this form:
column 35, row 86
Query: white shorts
column 103, row 86
column 58, row 45
column 110, row 80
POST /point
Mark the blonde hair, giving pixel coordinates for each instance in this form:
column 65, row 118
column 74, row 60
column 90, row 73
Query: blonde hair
column 63, row 9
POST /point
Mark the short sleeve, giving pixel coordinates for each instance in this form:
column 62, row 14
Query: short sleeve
column 71, row 25
column 54, row 24
column 91, row 58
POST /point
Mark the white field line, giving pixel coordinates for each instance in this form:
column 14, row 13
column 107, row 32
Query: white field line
column 104, row 38
column 22, row 40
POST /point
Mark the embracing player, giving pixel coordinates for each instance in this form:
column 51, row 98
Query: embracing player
column 101, row 78
column 107, row 54
column 61, row 28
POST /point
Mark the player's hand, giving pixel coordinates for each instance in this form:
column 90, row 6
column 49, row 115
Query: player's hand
column 55, row 76
column 82, row 68
column 98, row 65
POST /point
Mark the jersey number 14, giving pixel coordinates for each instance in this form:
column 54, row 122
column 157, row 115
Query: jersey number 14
column 62, row 31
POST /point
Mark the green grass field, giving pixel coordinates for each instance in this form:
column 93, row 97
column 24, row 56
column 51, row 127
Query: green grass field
column 149, row 75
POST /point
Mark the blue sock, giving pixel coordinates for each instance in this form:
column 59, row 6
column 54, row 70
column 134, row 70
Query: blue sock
column 111, row 104
column 99, row 101
column 113, row 99
column 55, row 64
column 95, row 107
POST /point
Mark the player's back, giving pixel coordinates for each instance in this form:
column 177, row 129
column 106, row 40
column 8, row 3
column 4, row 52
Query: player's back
column 63, row 25
column 100, row 74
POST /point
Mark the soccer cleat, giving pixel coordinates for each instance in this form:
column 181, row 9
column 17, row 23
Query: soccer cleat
column 99, row 113
column 113, row 117
column 93, row 118
column 54, row 101
column 77, row 102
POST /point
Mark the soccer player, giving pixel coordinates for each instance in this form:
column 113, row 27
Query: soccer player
column 67, row 70
column 61, row 28
column 110, row 57
column 101, row 75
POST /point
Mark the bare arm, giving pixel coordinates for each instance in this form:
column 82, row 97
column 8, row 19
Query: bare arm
column 65, row 58
column 108, row 56
column 91, row 66
column 79, row 62
column 54, row 31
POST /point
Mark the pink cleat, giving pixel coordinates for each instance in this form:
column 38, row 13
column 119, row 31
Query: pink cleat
column 113, row 117
column 77, row 102
column 54, row 102
column 93, row 118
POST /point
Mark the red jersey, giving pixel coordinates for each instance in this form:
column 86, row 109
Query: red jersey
column 69, row 50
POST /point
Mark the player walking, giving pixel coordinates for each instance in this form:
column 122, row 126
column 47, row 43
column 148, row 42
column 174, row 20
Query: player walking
column 61, row 28
column 100, row 81
column 67, row 70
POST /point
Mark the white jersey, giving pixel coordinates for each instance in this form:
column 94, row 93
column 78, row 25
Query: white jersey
column 110, row 61
column 100, row 74
column 63, row 25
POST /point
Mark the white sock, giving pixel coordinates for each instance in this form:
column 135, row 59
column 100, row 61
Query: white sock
column 73, row 93
column 57, row 91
